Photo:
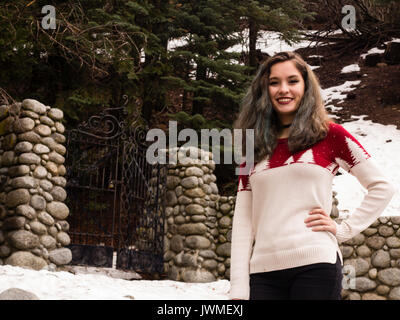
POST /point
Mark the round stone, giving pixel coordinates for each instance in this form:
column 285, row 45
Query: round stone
column 7, row 158
column 184, row 200
column 210, row 264
column 393, row 242
column 364, row 284
column 224, row 250
column 194, row 209
column 23, row 125
column 46, row 185
column 48, row 241
column 192, row 228
column 385, row 231
column 380, row 259
column 190, row 182
column 197, row 242
column 390, row 276
column 56, row 158
column 24, row 182
column 375, row 242
column 26, row 259
column 40, row 149
column 395, row 253
column 38, row 202
column 194, row 171
column 60, row 181
column 347, row 251
column 23, row 147
column 30, row 136
column 14, row 223
column 171, row 199
column 225, row 222
column 52, row 168
column 40, row 172
column 29, row 158
column 59, row 148
column 195, row 193
column 58, row 137
column 361, row 266
column 34, row 105
column 38, row 227
column 395, row 294
column 225, row 208
column 197, row 276
column 26, row 211
column 372, row 296
column 64, row 225
column 43, row 130
column 59, row 127
column 47, row 121
column 18, row 170
column 55, row 114
column 58, row 210
column 58, row 193
column 49, row 141
column 63, row 238
column 60, row 256
column 363, row 251
column 17, row 197
column 17, row 294
column 23, row 240
column 45, row 218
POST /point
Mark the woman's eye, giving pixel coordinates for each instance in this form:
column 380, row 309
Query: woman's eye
column 273, row 83
column 294, row 81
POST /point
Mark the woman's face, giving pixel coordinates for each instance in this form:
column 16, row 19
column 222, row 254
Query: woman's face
column 286, row 89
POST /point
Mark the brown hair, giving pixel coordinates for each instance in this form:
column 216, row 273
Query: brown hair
column 310, row 124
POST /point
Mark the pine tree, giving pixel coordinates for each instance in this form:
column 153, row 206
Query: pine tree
column 209, row 71
column 272, row 15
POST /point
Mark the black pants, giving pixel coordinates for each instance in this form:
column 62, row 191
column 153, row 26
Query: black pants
column 319, row 281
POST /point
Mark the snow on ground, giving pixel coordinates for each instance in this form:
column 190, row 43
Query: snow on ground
column 61, row 285
column 351, row 68
column 67, row 286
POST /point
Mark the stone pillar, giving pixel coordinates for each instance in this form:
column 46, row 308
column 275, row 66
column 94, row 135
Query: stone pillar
column 191, row 232
column 33, row 226
column 223, row 250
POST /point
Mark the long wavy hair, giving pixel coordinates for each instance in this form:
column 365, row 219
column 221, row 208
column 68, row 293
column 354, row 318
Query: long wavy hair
column 311, row 122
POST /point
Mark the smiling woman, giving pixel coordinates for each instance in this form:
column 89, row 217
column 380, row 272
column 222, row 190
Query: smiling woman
column 284, row 243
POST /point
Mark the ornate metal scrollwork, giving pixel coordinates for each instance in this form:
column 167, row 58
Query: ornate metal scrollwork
column 104, row 126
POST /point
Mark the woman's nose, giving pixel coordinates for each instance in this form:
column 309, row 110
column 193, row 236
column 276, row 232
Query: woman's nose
column 283, row 88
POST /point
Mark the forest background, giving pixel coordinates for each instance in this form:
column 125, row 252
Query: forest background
column 102, row 50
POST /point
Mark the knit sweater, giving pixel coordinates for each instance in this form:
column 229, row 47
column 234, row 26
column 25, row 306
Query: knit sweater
column 277, row 194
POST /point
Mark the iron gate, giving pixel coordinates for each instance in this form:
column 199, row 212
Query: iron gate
column 115, row 197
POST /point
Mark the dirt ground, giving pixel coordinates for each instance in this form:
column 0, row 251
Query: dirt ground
column 378, row 94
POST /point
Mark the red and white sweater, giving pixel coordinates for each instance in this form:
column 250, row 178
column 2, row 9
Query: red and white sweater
column 274, row 199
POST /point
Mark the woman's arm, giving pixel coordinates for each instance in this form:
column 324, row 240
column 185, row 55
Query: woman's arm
column 351, row 156
column 380, row 192
column 242, row 241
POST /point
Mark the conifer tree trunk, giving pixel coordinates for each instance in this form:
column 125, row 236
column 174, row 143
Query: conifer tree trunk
column 253, row 30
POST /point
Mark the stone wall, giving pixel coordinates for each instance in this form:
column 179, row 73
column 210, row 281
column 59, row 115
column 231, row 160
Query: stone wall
column 199, row 226
column 375, row 259
column 33, row 226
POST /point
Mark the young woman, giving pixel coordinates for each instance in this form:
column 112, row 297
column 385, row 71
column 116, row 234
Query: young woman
column 284, row 243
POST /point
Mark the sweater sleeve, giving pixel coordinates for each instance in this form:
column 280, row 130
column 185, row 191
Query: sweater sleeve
column 351, row 156
column 242, row 239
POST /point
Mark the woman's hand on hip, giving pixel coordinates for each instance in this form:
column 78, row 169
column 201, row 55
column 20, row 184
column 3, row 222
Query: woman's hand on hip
column 319, row 220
